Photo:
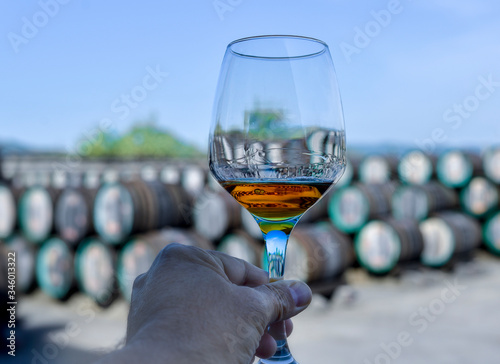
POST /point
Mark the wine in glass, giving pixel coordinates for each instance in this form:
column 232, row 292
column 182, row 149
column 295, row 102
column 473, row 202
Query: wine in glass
column 277, row 140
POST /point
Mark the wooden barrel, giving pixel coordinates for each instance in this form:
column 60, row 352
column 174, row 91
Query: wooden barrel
column 447, row 234
column 491, row 233
column 9, row 167
column 353, row 206
column 241, row 245
column 36, row 213
column 296, row 151
column 213, row 184
column 114, row 213
column 110, row 175
column 480, row 197
column 351, row 171
column 7, row 211
column 455, row 168
column 26, row 253
column 55, row 269
column 149, row 173
column 491, row 163
column 91, row 178
column 193, row 179
column 417, row 167
column 28, row 179
column 316, row 252
column 122, row 209
column 42, row 178
column 239, row 151
column 382, row 244
column 316, row 145
column 59, row 179
column 170, row 174
column 174, row 205
column 17, row 181
column 377, row 169
column 73, row 214
column 274, row 152
column 418, row 201
column 138, row 254
column 215, row 213
column 221, row 148
column 95, row 271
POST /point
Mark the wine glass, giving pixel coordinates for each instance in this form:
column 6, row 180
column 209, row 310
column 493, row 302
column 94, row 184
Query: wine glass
column 277, row 140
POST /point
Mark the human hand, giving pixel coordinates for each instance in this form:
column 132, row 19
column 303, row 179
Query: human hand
column 207, row 307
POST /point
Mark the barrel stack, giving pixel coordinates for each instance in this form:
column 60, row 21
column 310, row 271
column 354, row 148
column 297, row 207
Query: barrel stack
column 96, row 226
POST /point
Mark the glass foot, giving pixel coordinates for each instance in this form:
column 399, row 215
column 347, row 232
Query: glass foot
column 282, row 355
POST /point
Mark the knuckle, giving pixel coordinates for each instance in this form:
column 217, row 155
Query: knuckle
column 173, row 249
column 176, row 255
column 139, row 281
column 176, row 250
column 281, row 301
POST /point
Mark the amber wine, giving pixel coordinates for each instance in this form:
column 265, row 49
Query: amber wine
column 276, row 201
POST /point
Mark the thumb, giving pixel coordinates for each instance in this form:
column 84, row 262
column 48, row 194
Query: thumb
column 284, row 299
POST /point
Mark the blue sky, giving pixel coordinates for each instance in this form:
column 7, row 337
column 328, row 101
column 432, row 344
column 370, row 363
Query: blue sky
column 409, row 71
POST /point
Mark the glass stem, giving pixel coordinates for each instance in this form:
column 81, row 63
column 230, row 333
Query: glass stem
column 276, row 242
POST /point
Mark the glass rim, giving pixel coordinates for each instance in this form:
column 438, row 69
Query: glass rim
column 278, row 36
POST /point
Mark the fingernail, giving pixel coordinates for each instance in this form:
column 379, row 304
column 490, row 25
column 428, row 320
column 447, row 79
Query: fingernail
column 301, row 293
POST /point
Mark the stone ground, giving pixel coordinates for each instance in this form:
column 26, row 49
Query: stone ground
column 361, row 325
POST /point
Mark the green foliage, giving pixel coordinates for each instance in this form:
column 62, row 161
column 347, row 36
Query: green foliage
column 142, row 140
column 271, row 123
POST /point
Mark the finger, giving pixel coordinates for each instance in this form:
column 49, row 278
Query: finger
column 288, row 327
column 236, row 270
column 284, row 299
column 241, row 272
column 267, row 346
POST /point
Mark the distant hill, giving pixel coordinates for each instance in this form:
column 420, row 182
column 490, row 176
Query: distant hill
column 142, row 140
column 13, row 147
